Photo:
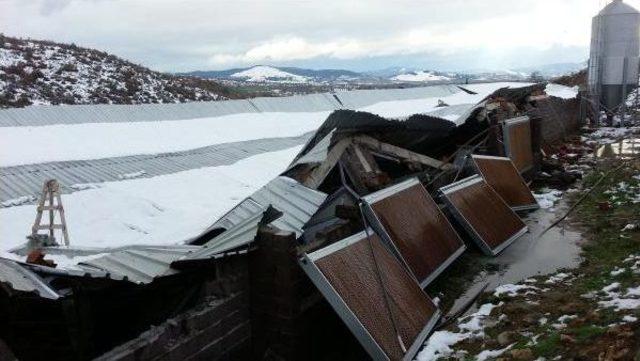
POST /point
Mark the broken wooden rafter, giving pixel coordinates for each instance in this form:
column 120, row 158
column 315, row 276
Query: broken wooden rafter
column 317, row 175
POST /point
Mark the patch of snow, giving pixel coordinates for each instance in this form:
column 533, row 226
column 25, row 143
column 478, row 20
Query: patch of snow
column 487, row 354
column 629, row 227
column 628, row 318
column 475, row 320
column 561, row 91
column 84, row 186
column 548, row 198
column 611, row 287
column 635, row 291
column 610, row 134
column 18, row 201
column 512, row 290
column 617, row 271
column 621, row 303
column 565, row 318
column 440, row 342
column 132, row 175
column 557, row 278
column 439, row 345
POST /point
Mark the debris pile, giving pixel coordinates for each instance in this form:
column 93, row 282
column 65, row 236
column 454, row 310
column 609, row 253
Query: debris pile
column 370, row 212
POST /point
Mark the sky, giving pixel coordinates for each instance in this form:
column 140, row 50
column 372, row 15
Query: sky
column 185, row 35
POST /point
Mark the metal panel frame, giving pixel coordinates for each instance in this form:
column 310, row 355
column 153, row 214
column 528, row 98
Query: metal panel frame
column 367, row 209
column 307, row 261
column 530, row 207
column 453, row 187
column 506, row 124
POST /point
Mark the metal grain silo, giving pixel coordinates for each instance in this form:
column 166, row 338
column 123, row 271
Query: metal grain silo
column 615, row 51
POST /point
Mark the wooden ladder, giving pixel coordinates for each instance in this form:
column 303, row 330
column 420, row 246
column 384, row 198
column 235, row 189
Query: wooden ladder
column 51, row 191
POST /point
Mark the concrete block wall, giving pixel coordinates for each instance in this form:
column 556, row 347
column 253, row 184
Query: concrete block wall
column 556, row 118
column 218, row 329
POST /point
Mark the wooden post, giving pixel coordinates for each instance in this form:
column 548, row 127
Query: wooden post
column 51, row 191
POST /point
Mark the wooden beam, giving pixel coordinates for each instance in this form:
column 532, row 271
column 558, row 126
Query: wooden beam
column 400, row 152
column 317, row 176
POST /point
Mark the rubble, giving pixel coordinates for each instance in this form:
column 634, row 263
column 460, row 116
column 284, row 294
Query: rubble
column 367, row 214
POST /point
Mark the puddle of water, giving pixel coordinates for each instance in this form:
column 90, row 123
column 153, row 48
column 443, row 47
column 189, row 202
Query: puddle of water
column 623, row 149
column 530, row 255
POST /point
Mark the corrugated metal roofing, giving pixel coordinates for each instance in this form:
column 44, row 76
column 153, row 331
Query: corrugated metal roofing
column 27, row 180
column 243, row 233
column 451, row 110
column 297, row 203
column 139, row 265
column 100, row 113
column 21, row 279
column 361, row 98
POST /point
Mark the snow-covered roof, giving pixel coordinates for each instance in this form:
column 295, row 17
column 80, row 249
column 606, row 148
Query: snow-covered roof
column 159, row 174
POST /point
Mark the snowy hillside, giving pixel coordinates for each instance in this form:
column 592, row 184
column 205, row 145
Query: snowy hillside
column 263, row 73
column 420, row 76
column 42, row 72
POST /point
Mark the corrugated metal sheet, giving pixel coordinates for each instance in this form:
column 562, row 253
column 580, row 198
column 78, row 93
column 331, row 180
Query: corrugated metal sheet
column 317, row 154
column 241, row 234
column 21, row 279
column 100, row 113
column 297, row 203
column 138, row 265
column 451, row 112
column 27, row 180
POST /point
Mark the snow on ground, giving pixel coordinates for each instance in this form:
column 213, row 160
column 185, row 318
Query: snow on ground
column 619, row 300
column 104, row 140
column 440, row 342
column 405, row 108
column 420, row 76
column 160, row 210
column 263, row 73
column 512, row 290
column 561, row 91
column 491, row 354
column 605, row 135
column 547, row 198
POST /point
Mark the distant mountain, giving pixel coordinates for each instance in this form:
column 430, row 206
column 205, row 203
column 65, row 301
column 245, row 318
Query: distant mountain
column 43, row 72
column 266, row 73
column 273, row 75
column 421, row 76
